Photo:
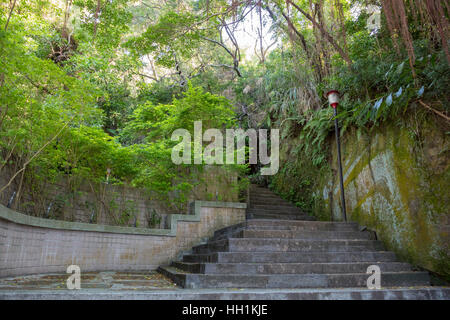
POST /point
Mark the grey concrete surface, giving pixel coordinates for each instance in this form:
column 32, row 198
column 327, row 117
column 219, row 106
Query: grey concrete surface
column 425, row 293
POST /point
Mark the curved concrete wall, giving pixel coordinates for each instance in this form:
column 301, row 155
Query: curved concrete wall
column 110, row 204
column 31, row 245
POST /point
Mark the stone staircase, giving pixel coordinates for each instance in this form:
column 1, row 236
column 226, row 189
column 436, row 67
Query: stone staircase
column 281, row 247
column 264, row 204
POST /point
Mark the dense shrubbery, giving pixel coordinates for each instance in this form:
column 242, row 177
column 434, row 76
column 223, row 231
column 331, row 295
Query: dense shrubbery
column 377, row 87
column 91, row 91
column 75, row 107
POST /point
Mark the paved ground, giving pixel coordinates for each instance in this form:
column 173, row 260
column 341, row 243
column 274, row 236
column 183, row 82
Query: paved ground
column 90, row 280
column 154, row 286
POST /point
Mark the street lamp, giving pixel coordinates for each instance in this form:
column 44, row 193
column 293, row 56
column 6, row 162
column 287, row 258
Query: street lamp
column 333, row 99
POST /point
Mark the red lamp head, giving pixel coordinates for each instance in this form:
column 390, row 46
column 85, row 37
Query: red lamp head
column 333, row 98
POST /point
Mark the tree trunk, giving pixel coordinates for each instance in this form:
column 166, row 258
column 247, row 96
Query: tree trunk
column 327, row 36
column 97, row 12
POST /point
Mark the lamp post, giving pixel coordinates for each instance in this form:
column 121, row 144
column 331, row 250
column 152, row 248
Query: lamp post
column 333, row 99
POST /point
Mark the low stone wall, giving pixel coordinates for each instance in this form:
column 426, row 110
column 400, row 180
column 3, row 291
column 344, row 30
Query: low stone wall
column 30, row 245
column 113, row 204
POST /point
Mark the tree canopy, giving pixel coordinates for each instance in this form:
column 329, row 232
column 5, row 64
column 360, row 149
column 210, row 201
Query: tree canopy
column 92, row 89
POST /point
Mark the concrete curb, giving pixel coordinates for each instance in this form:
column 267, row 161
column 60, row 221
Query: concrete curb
column 422, row 293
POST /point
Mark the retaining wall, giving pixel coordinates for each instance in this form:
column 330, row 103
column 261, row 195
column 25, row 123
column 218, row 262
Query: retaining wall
column 112, row 204
column 30, row 245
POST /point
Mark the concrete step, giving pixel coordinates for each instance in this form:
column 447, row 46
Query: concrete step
column 344, row 280
column 281, row 247
column 270, row 201
column 275, row 209
column 409, row 293
column 277, row 213
column 287, row 226
column 291, row 245
column 280, row 216
column 228, row 231
column 292, row 234
column 261, row 190
column 288, row 268
column 313, row 235
column 274, row 206
column 279, row 224
column 287, row 257
column 267, row 197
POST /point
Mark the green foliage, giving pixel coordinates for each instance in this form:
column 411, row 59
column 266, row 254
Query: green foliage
column 298, row 179
column 153, row 219
column 277, row 88
column 390, row 94
column 160, row 92
column 378, row 87
column 79, row 120
column 112, row 21
column 149, row 135
column 172, row 35
column 92, row 92
column 151, row 122
column 110, row 71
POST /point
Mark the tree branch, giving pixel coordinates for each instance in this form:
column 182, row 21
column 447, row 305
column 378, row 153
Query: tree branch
column 36, row 154
column 327, row 36
column 235, row 60
column 434, row 110
column 10, row 14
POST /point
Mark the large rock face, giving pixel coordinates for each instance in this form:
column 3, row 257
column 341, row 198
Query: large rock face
column 397, row 182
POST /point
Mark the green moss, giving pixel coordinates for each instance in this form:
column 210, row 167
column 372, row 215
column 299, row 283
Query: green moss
column 391, row 184
column 420, row 236
column 408, row 228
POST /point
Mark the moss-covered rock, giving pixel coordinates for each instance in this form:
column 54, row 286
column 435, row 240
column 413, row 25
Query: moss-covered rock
column 397, row 182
